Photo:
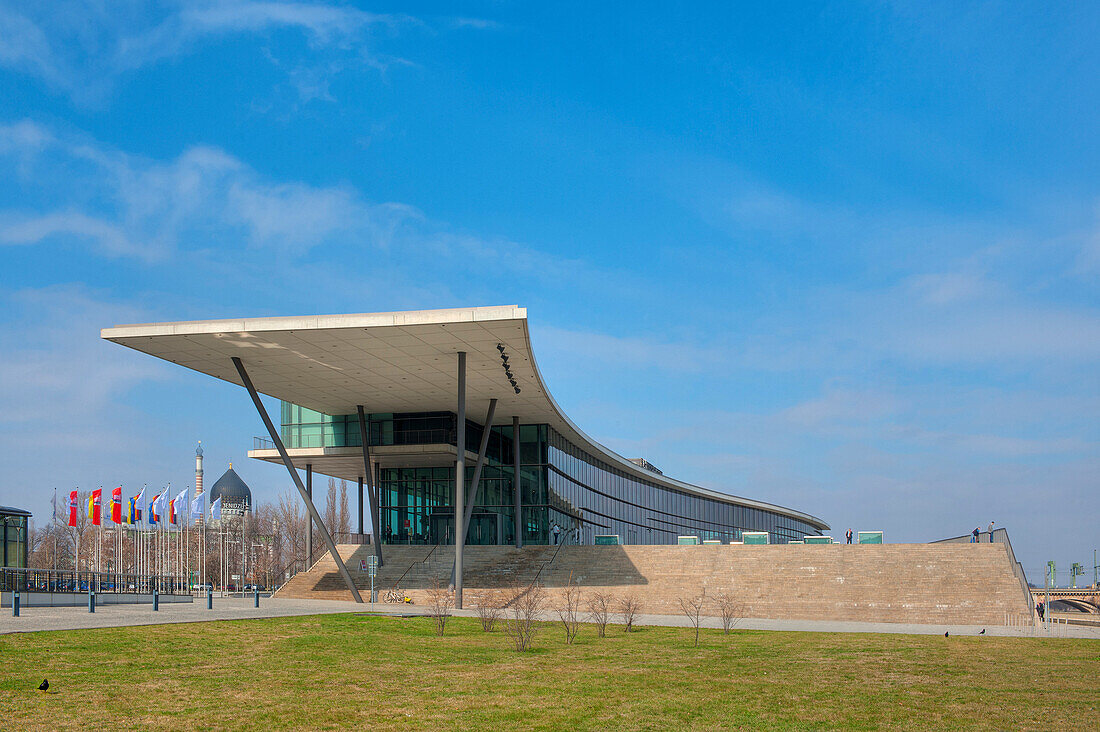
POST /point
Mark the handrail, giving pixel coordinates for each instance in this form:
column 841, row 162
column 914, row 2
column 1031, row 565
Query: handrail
column 568, row 539
column 998, row 536
column 421, row 562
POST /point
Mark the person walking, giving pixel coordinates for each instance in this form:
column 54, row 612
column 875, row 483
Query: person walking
column 848, row 535
column 557, row 533
column 990, row 532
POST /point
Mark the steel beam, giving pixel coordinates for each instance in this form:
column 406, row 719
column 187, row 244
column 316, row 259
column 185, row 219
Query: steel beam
column 460, row 478
column 372, row 484
column 310, row 508
column 475, row 483
column 516, row 483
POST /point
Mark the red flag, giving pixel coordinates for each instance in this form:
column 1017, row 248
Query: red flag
column 95, row 501
column 72, row 509
column 116, row 505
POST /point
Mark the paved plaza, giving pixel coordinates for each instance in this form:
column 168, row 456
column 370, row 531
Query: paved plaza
column 110, row 616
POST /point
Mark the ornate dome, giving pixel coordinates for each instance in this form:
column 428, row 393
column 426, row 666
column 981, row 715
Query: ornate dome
column 234, row 492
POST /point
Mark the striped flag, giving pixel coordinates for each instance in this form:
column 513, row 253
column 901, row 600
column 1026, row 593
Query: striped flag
column 94, row 503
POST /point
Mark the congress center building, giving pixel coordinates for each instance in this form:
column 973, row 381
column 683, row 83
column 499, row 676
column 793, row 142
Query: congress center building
column 457, row 421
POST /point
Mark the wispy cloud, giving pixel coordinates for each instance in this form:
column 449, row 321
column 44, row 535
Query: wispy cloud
column 82, row 47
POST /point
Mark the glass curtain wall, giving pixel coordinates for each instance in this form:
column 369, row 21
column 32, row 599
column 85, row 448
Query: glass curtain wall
column 567, row 492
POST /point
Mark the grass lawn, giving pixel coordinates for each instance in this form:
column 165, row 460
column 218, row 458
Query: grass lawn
column 336, row 671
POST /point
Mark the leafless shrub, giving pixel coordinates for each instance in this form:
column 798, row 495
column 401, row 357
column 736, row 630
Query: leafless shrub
column 730, row 609
column 599, row 610
column 440, row 603
column 525, row 603
column 568, row 609
column 692, row 607
column 628, row 610
column 488, row 609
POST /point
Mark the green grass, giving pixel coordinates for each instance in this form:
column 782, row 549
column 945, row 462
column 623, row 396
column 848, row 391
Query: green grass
column 337, row 671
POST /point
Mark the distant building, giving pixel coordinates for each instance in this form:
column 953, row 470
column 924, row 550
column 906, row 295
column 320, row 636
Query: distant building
column 235, row 494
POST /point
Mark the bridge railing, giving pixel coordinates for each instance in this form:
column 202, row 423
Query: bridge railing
column 999, row 536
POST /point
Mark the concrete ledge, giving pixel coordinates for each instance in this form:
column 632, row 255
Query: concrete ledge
column 79, row 599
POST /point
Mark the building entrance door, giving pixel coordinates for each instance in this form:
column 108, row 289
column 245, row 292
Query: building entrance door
column 485, row 528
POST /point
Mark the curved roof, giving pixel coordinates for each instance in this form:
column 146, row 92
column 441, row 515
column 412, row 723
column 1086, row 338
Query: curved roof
column 391, row 362
column 10, row 511
column 230, row 485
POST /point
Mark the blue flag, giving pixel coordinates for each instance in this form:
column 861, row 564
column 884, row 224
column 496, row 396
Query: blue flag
column 198, row 506
column 216, row 509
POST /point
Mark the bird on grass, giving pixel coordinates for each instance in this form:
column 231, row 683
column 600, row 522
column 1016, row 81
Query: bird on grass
column 44, row 685
column 946, row 633
column 982, row 632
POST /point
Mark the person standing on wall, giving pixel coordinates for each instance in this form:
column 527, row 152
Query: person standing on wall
column 990, row 532
column 974, row 535
column 848, row 535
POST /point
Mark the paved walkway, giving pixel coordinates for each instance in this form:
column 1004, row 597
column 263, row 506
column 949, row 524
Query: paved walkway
column 110, row 616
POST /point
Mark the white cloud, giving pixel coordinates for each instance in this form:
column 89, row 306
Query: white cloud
column 82, row 46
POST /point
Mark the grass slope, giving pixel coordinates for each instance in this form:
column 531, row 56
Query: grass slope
column 337, row 671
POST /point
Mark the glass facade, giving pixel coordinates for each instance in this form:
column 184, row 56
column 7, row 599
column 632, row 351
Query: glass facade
column 13, row 539
column 562, row 486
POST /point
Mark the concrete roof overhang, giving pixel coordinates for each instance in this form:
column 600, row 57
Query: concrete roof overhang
column 389, row 362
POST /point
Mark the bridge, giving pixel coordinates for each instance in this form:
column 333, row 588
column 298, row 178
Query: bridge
column 1085, row 599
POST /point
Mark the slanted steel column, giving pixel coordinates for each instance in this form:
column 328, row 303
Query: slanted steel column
column 309, row 520
column 516, row 482
column 310, row 508
column 460, row 477
column 360, row 531
column 372, row 485
column 476, row 482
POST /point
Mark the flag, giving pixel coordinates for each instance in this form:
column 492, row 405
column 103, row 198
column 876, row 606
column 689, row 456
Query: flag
column 216, row 509
column 153, row 515
column 116, row 505
column 94, row 502
column 181, row 501
column 72, row 509
column 158, row 506
column 198, row 506
column 135, row 507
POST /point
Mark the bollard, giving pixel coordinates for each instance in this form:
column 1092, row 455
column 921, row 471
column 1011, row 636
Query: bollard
column 209, row 599
column 156, row 600
column 256, row 599
column 15, row 604
column 91, row 601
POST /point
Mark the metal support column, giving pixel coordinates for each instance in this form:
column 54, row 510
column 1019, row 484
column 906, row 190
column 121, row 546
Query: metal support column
column 476, row 480
column 310, row 508
column 516, row 482
column 372, row 485
column 309, row 519
column 460, row 477
column 360, row 530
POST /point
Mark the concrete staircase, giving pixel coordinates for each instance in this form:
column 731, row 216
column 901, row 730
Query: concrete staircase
column 919, row 583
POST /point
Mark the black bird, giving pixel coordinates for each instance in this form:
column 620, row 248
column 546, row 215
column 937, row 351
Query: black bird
column 44, row 685
column 946, row 633
column 983, row 632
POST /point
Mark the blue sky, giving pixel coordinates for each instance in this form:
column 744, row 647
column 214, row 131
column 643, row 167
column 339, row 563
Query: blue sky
column 838, row 256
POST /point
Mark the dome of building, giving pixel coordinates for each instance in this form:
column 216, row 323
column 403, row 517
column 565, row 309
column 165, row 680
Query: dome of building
column 234, row 492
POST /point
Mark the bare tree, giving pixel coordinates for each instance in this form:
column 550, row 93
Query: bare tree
column 692, row 607
column 568, row 609
column 440, row 603
column 343, row 515
column 599, row 610
column 292, row 526
column 628, row 610
column 730, row 609
column 522, row 613
column 331, row 517
column 488, row 609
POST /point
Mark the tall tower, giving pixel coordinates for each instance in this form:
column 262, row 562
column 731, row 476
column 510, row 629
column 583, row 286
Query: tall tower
column 198, row 474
